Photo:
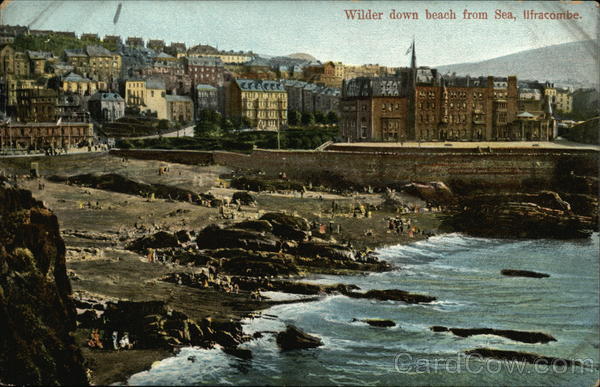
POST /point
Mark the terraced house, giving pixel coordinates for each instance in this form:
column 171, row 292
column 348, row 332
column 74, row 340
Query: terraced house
column 262, row 102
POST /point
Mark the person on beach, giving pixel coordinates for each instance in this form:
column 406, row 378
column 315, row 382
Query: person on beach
column 115, row 340
column 94, row 341
column 124, row 342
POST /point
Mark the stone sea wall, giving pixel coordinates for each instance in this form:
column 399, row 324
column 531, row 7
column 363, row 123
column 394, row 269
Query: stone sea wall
column 502, row 167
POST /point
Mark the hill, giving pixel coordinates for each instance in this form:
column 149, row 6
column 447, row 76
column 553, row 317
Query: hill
column 568, row 61
column 303, row 56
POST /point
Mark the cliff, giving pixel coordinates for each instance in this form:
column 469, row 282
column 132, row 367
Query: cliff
column 37, row 314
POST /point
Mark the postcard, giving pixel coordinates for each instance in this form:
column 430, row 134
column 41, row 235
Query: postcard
column 299, row 193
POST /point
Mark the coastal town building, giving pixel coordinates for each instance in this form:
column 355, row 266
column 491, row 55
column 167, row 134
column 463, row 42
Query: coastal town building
column 135, row 41
column 205, row 70
column 156, row 45
column 180, row 108
column 75, row 83
column 36, row 105
column 420, row 104
column 263, row 103
column 206, row 98
column 106, row 107
column 43, row 135
column 563, row 100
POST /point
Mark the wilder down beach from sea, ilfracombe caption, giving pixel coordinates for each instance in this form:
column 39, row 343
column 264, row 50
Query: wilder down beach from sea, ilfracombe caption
column 450, row 14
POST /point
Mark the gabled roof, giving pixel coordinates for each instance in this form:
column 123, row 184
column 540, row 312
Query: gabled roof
column 97, row 51
column 74, row 77
column 525, row 115
column 77, row 52
column 164, row 55
column 39, row 54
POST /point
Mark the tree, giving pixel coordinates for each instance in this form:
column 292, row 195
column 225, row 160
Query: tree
column 227, row 125
column 294, row 118
column 163, row 125
column 320, row 117
column 332, row 117
column 308, row 119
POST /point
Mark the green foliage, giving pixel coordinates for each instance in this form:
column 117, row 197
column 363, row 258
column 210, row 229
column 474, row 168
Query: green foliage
column 294, row 118
column 53, row 43
column 163, row 125
column 332, row 118
column 320, row 118
column 308, row 119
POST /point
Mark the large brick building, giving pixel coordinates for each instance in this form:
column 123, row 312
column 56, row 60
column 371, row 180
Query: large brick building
column 419, row 104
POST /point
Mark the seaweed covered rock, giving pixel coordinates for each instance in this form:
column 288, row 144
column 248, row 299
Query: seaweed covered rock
column 244, row 198
column 294, row 338
column 161, row 239
column 214, row 237
column 316, row 249
column 543, row 215
column 37, row 315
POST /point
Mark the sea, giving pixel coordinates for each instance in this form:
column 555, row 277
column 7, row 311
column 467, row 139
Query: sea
column 464, row 274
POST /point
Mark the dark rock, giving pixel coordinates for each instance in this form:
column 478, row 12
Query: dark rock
column 294, row 222
column 241, row 353
column 393, row 294
column 525, row 357
column 523, row 273
column 182, row 237
column 255, row 225
column 214, row 237
column 37, row 313
column 376, row 322
column 489, row 218
column 244, row 198
column 522, row 336
column 88, row 319
column 324, row 249
column 294, row 338
column 158, row 240
column 435, row 192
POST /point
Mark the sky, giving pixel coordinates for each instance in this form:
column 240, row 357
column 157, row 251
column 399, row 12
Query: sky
column 320, row 28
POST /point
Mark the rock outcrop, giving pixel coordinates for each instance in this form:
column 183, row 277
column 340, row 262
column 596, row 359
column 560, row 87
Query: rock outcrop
column 394, row 295
column 37, row 315
column 522, row 336
column 523, row 273
column 543, row 215
column 294, row 338
column 435, row 192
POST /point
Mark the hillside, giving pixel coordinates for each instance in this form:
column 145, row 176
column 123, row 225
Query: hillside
column 576, row 60
column 302, row 56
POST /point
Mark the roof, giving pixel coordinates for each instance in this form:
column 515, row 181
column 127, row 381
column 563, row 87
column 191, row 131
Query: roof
column 258, row 61
column 178, row 98
column 39, row 54
column 525, row 115
column 205, row 61
column 164, row 55
column 203, row 49
column 259, row 85
column 153, row 83
column 74, row 77
column 100, row 96
column 97, row 51
column 75, row 52
column 203, row 86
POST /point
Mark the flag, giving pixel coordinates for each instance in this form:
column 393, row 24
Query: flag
column 59, row 121
column 409, row 48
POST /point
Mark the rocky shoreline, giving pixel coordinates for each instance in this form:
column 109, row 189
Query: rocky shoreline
column 190, row 282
